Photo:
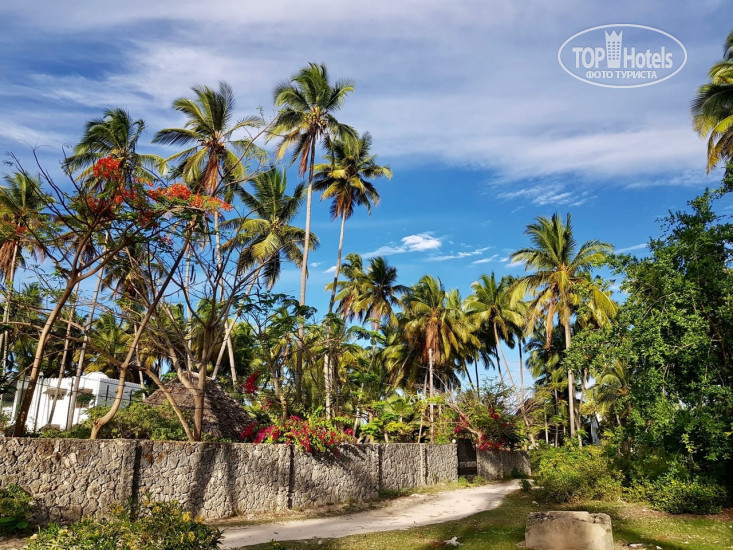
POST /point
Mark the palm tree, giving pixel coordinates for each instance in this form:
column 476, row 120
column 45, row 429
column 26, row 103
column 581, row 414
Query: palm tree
column 561, row 269
column 344, row 180
column 213, row 154
column 213, row 157
column 265, row 236
column 712, row 108
column 21, row 205
column 305, row 121
column 379, row 293
column 267, row 239
column 436, row 327
column 115, row 135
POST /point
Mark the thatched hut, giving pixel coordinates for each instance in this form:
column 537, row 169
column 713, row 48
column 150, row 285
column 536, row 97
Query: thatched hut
column 223, row 416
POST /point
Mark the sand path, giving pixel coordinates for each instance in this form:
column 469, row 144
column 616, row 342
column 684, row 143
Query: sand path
column 404, row 513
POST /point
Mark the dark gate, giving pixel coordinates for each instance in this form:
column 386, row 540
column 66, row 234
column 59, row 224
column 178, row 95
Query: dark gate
column 466, row 459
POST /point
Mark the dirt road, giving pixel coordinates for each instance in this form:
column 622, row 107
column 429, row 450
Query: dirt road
column 404, row 513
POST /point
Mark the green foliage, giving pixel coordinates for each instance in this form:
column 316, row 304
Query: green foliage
column 161, row 526
column 484, row 419
column 526, row 485
column 15, row 507
column 139, row 421
column 571, row 473
column 679, row 495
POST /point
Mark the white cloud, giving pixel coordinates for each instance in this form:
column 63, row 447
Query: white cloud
column 634, row 247
column 458, row 255
column 411, row 243
column 331, row 269
column 486, row 260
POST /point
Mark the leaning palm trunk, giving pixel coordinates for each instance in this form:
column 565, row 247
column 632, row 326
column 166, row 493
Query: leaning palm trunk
column 522, row 409
column 25, row 405
column 100, row 422
column 571, row 384
column 5, row 335
column 62, row 366
column 82, row 354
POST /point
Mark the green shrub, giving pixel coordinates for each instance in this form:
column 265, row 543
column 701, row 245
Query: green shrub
column 526, row 485
column 570, row 473
column 15, row 507
column 160, row 526
column 679, row 495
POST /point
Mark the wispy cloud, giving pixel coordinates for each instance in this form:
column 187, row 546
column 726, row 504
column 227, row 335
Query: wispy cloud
column 634, row 247
column 458, row 255
column 420, row 242
column 486, row 260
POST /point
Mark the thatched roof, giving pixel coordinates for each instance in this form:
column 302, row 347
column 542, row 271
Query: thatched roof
column 223, row 416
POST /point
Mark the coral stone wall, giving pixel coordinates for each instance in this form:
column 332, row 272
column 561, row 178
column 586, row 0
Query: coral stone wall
column 69, row 478
column 496, row 464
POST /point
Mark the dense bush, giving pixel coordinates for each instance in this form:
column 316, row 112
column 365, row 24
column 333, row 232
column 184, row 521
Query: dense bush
column 161, row 526
column 571, row 473
column 138, row 421
column 679, row 495
column 15, row 507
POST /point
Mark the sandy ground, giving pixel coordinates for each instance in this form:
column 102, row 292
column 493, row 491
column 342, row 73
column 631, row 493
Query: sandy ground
column 404, row 513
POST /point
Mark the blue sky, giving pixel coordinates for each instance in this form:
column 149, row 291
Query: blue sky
column 465, row 100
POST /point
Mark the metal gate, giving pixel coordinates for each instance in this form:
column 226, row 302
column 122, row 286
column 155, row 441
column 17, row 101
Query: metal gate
column 466, row 459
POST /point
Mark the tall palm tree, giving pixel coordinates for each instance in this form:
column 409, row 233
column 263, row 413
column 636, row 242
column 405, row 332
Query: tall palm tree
column 213, row 161
column 115, row 134
column 304, row 122
column 378, row 295
column 21, row 216
column 712, row 108
column 213, row 154
column 436, row 327
column 344, row 180
column 265, row 237
column 561, row 269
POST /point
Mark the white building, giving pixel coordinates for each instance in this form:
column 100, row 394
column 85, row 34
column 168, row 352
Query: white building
column 94, row 389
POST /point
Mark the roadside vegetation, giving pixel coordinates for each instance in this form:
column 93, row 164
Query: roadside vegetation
column 150, row 269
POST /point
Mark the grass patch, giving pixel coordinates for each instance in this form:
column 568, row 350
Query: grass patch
column 503, row 528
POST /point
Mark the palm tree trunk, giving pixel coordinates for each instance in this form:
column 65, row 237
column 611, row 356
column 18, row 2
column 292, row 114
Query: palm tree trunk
column 327, row 367
column 580, row 407
column 100, row 422
column 82, row 354
column 571, row 384
column 22, row 416
column 62, row 366
column 432, row 419
column 5, row 336
column 304, row 275
column 522, row 410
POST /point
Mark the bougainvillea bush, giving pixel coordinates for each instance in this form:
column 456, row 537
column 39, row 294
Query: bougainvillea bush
column 313, row 435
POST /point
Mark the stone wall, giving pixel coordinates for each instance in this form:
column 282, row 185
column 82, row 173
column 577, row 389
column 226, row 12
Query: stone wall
column 497, row 464
column 69, row 478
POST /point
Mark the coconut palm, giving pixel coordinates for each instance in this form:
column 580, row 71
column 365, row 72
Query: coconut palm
column 561, row 270
column 265, row 237
column 21, row 218
column 213, row 153
column 115, row 134
column 344, row 180
column 304, row 122
column 712, row 108
column 439, row 329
